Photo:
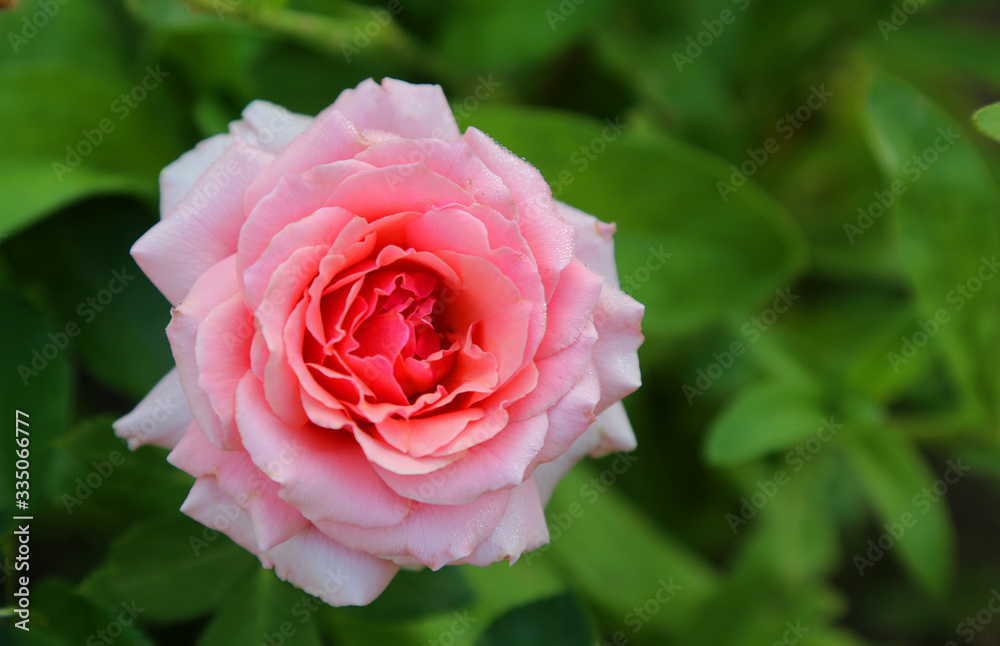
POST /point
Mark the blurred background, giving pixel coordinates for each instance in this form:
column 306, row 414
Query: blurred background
column 804, row 204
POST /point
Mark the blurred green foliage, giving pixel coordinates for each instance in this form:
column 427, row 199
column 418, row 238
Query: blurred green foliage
column 804, row 203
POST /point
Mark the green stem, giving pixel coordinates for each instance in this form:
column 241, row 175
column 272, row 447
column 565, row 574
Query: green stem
column 333, row 35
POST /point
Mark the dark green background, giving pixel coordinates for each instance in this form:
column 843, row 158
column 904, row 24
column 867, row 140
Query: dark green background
column 771, row 316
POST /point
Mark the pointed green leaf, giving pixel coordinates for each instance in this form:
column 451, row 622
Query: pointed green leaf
column 901, row 488
column 988, row 120
column 173, row 567
column 558, row 621
column 265, row 610
column 762, row 419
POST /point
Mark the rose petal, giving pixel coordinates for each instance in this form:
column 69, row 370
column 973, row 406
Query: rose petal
column 322, row 473
column 330, row 138
column 549, row 236
column 571, row 308
column 557, row 373
column 595, row 245
column 434, row 535
column 212, row 288
column 309, row 560
column 222, row 352
column 268, row 126
column 405, row 109
column 615, row 430
column 180, row 248
column 160, row 419
column 497, row 463
column 618, row 319
column 274, row 520
column 522, row 529
column 177, row 178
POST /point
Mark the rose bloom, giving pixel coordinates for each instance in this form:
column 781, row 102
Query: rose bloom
column 392, row 342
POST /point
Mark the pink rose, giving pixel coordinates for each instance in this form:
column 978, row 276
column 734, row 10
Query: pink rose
column 391, row 340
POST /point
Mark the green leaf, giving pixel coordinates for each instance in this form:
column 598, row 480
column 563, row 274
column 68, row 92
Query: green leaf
column 988, row 120
column 727, row 256
column 73, row 135
column 97, row 478
column 897, row 481
column 113, row 315
column 588, row 521
column 265, row 610
column 29, row 191
column 945, row 210
column 797, row 531
column 412, row 595
column 78, row 33
column 762, row 419
column 500, row 36
column 558, row 621
column 61, row 616
column 760, row 609
column 167, row 567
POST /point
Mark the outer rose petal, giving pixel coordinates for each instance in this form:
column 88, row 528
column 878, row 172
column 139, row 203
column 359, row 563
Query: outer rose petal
column 274, row 520
column 611, row 432
column 265, row 126
column 309, row 560
column 269, row 127
column 213, row 288
column 616, row 431
column 159, row 419
column 595, row 245
column 549, row 236
column 548, row 475
column 617, row 317
column 434, row 535
column 179, row 176
column 522, row 529
column 411, row 111
column 180, row 248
